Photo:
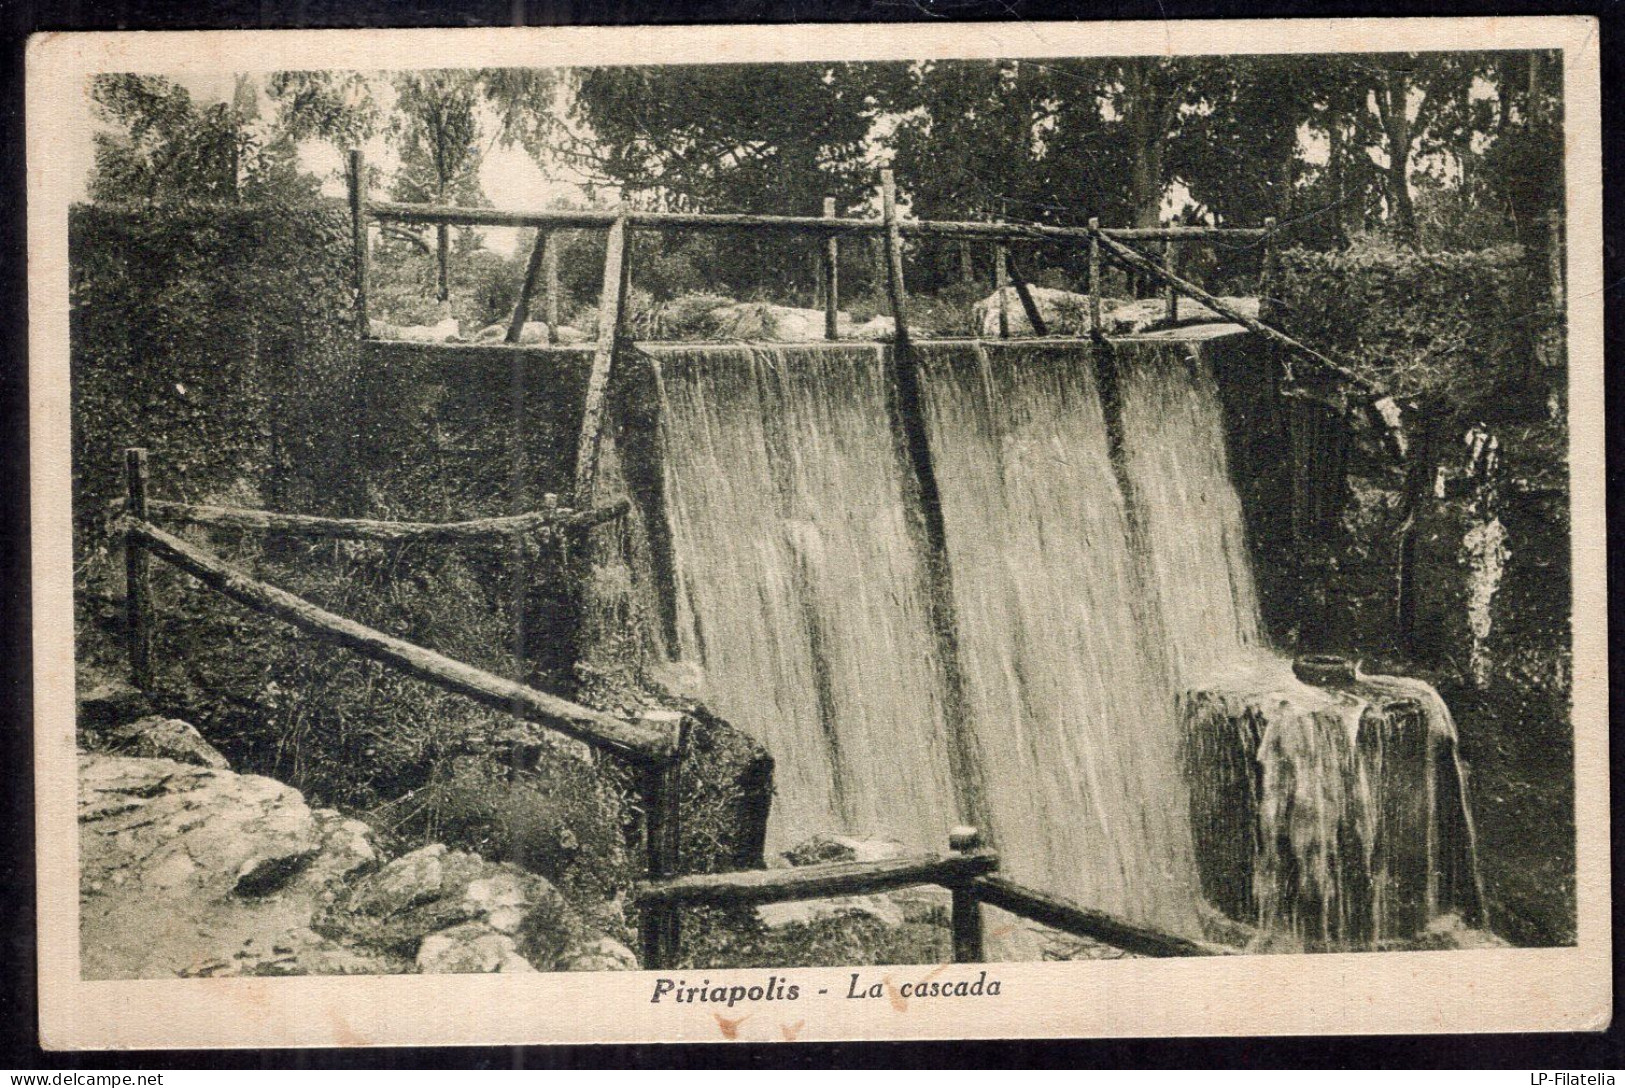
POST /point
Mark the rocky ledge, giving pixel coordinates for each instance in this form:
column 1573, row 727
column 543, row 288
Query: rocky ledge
column 188, row 868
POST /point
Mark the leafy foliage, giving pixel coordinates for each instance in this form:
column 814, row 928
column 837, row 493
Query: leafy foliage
column 1448, row 329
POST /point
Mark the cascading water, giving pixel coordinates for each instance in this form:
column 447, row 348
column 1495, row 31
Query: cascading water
column 1069, row 701
column 1137, row 746
column 798, row 592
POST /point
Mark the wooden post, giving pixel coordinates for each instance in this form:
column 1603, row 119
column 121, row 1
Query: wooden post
column 1001, row 283
column 1028, row 305
column 137, row 574
column 611, row 315
column 1094, row 278
column 896, row 294
column 550, row 277
column 832, row 277
column 967, row 911
column 442, row 248
column 661, row 924
column 1170, row 261
column 527, row 287
column 1266, row 271
column 905, row 404
column 358, row 236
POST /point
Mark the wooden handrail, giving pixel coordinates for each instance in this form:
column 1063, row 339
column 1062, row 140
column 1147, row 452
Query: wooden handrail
column 636, row 742
column 234, row 517
column 1069, row 917
column 1376, row 402
column 795, row 224
column 755, row 886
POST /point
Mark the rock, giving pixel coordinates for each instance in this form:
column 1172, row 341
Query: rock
column 184, row 866
column 164, row 738
column 824, row 848
column 471, row 948
column 349, row 848
column 1446, row 933
column 1138, row 315
column 443, row 331
column 532, row 332
column 1062, row 311
column 404, row 883
column 917, row 904
column 882, row 908
column 606, row 954
column 446, row 908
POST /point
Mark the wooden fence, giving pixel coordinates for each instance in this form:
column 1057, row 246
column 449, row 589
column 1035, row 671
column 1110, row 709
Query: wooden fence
column 828, row 229
column 968, row 871
column 652, row 745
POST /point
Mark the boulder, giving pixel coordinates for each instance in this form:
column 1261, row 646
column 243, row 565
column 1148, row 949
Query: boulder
column 1137, row 315
column 452, row 911
column 921, row 903
column 1063, row 311
column 183, row 866
column 825, row 848
column 164, row 738
column 444, row 331
column 470, row 948
column 532, row 332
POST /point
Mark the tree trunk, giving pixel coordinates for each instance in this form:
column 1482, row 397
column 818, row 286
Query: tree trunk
column 1397, row 124
column 1337, row 176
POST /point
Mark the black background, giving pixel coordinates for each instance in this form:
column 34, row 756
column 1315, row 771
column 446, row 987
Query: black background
column 18, row 1008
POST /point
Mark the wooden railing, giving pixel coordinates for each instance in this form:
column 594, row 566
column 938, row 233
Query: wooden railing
column 828, row 229
column 652, row 745
column 969, row 873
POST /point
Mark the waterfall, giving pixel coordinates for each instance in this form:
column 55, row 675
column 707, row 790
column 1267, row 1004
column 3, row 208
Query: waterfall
column 1070, row 703
column 798, row 593
column 1137, row 745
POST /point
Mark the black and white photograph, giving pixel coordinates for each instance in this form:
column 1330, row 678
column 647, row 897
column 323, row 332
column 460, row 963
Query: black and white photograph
column 727, row 519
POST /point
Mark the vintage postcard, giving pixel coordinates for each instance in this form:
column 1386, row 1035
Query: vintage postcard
column 744, row 533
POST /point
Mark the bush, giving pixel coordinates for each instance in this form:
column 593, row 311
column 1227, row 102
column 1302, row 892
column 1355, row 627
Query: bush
column 223, row 340
column 1452, row 329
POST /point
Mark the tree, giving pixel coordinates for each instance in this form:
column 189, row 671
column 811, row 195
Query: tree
column 436, row 131
column 169, row 149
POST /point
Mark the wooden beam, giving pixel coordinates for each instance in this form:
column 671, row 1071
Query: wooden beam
column 754, row 886
column 550, row 274
column 805, row 224
column 660, row 924
column 1064, row 915
column 966, row 916
column 1028, row 306
column 442, row 250
column 1266, row 273
column 397, row 532
column 137, row 574
column 632, row 741
column 896, row 292
column 1144, row 264
column 905, row 407
column 832, row 277
column 358, row 236
column 611, row 313
column 1001, row 284
column 1095, row 282
column 1170, row 261
column 527, row 287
